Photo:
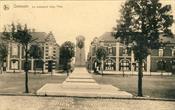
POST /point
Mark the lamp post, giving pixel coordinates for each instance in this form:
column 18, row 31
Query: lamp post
column 161, row 54
column 124, row 55
column 102, row 62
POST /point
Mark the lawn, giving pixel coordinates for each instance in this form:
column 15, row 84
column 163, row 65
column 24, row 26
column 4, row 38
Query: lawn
column 14, row 82
column 153, row 86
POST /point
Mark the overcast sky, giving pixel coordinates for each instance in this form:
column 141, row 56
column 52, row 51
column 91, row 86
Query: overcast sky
column 66, row 19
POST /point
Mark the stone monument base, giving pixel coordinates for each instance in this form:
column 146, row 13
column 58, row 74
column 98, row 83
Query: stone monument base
column 82, row 91
column 81, row 84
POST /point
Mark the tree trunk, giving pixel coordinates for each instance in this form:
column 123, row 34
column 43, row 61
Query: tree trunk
column 140, row 74
column 26, row 70
column 34, row 67
column 1, row 69
column 102, row 67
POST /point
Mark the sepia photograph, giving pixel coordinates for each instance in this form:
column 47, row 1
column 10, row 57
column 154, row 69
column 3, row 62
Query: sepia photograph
column 87, row 54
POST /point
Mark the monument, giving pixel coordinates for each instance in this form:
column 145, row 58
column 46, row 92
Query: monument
column 80, row 83
column 80, row 51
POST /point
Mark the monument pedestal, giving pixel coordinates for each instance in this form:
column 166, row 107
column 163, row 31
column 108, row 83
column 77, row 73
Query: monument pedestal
column 81, row 84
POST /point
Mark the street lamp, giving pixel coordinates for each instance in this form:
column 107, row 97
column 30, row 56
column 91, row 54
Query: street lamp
column 161, row 55
column 124, row 55
column 102, row 63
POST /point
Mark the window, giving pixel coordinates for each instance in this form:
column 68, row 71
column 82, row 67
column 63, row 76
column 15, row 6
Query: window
column 167, row 51
column 173, row 52
column 14, row 50
column 50, row 50
column 14, row 64
column 160, row 52
column 114, row 51
column 38, row 64
column 109, row 65
column 125, row 65
column 110, row 50
column 155, row 52
column 144, row 66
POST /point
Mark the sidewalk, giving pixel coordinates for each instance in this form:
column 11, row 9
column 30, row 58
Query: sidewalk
column 135, row 73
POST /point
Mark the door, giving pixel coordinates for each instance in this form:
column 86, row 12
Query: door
column 50, row 65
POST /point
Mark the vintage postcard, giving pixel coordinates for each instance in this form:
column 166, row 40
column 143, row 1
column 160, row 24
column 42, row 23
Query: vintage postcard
column 87, row 54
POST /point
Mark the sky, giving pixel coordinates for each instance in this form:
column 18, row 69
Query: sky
column 66, row 19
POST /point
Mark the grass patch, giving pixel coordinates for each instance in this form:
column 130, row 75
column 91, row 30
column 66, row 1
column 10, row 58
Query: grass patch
column 153, row 86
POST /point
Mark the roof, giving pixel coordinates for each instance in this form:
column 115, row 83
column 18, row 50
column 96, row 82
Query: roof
column 50, row 38
column 107, row 36
column 40, row 36
column 167, row 39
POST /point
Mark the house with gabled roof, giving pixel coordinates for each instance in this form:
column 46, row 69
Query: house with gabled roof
column 49, row 57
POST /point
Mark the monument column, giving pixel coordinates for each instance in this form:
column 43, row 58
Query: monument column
column 80, row 51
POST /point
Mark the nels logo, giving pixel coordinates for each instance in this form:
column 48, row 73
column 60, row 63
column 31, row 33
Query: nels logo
column 6, row 7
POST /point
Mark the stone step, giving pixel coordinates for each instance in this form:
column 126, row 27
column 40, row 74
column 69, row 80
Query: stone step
column 79, row 77
column 80, row 86
column 80, row 80
column 81, row 83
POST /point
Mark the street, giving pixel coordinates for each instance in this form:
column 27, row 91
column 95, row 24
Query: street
column 69, row 103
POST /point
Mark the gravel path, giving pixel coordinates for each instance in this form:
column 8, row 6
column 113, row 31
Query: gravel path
column 68, row 103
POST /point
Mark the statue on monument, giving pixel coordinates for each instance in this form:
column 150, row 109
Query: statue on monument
column 80, row 51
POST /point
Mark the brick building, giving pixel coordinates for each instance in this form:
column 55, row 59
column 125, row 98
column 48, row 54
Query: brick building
column 49, row 50
column 120, row 59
